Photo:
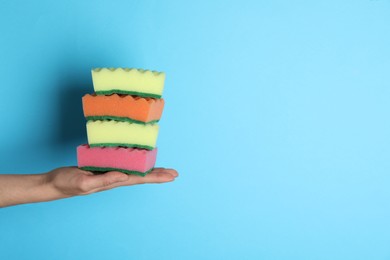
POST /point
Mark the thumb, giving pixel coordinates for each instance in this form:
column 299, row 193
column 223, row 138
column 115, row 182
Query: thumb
column 103, row 180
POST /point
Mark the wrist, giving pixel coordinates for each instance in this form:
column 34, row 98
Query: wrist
column 49, row 189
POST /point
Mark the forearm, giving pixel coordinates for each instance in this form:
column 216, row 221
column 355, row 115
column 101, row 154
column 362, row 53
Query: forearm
column 26, row 188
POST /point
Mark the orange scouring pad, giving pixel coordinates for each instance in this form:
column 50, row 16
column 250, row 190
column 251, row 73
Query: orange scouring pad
column 122, row 108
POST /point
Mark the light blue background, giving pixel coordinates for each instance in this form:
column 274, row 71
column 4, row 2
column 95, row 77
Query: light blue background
column 276, row 117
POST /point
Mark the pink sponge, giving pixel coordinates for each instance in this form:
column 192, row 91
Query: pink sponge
column 127, row 160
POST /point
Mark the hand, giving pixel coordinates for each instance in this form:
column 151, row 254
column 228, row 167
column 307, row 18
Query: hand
column 71, row 181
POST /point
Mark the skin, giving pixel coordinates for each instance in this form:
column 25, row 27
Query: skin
column 67, row 182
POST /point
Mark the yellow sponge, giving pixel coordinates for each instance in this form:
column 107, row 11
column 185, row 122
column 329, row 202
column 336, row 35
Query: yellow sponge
column 118, row 133
column 144, row 83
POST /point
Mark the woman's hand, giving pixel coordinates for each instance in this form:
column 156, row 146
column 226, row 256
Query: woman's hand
column 69, row 181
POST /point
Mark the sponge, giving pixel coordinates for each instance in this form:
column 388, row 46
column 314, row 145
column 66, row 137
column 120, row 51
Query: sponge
column 123, row 108
column 127, row 160
column 118, row 133
column 144, row 83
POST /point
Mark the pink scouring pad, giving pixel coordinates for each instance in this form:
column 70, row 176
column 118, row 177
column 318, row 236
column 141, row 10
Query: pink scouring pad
column 126, row 160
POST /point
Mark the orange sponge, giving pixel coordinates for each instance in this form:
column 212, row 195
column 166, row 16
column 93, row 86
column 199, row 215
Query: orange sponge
column 123, row 108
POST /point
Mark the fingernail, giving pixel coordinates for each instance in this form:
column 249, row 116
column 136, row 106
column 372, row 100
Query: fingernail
column 173, row 172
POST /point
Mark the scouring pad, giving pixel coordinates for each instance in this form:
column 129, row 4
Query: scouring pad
column 117, row 133
column 127, row 160
column 139, row 82
column 123, row 108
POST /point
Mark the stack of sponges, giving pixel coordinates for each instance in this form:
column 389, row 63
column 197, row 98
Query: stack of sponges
column 122, row 119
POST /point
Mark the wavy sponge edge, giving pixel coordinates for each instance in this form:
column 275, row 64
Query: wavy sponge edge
column 122, row 108
column 126, row 160
column 144, row 83
column 116, row 133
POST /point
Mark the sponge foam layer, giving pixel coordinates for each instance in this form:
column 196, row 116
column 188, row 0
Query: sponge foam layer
column 145, row 83
column 117, row 133
column 123, row 108
column 127, row 160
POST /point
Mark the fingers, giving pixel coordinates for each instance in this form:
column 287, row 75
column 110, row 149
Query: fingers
column 158, row 175
column 172, row 172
